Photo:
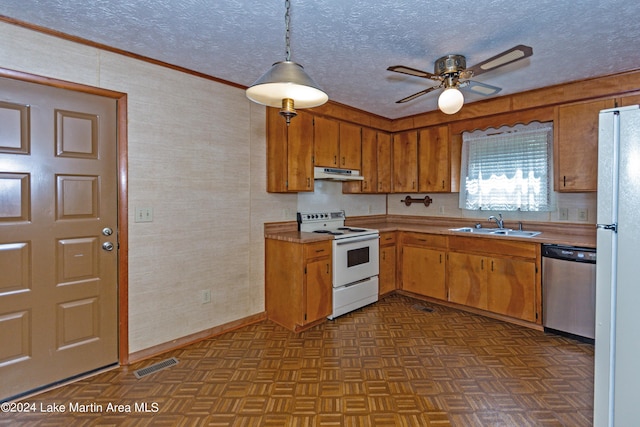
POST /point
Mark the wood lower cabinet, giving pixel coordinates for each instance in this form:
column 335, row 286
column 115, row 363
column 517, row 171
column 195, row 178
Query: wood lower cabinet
column 499, row 276
column 511, row 288
column 467, row 280
column 298, row 289
column 388, row 270
column 423, row 264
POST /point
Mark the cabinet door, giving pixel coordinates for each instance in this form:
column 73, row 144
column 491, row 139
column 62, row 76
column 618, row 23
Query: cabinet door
column 350, row 146
column 576, row 145
column 405, row 162
column 387, row 276
column 300, row 154
column 289, row 153
column 423, row 271
column 384, row 162
column 467, row 278
column 369, row 168
column 511, row 288
column 629, row 100
column 319, row 292
column 433, row 162
column 326, row 134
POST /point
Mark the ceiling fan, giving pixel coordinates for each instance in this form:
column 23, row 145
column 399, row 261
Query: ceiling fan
column 452, row 73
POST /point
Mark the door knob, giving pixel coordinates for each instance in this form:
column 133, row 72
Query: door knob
column 107, row 231
column 107, row 246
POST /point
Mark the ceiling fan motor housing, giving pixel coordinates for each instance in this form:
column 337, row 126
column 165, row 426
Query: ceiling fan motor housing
column 450, row 64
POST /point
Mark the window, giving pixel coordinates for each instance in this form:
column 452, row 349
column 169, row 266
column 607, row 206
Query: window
column 507, row 169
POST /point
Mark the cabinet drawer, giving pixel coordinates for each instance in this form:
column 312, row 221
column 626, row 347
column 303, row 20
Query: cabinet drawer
column 422, row 239
column 388, row 238
column 317, row 249
column 497, row 246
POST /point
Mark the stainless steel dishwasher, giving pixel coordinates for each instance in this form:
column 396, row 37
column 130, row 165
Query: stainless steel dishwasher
column 569, row 290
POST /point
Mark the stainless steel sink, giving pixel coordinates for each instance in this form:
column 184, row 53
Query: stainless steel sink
column 496, row 231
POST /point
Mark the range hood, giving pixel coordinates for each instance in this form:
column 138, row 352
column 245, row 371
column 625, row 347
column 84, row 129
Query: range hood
column 335, row 174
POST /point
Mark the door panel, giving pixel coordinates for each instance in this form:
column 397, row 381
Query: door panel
column 58, row 190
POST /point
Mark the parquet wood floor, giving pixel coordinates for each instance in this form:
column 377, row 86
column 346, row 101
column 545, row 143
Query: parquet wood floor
column 388, row 364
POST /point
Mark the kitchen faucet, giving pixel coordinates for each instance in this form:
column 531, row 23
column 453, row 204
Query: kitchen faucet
column 499, row 221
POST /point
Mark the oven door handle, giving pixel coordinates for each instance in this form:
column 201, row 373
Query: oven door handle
column 356, row 240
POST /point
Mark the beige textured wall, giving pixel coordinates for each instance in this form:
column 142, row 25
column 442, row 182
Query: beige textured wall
column 197, row 157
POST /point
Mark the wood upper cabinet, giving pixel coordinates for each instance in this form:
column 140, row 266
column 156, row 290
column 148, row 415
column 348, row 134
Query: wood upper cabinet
column 576, row 145
column 289, row 153
column 298, row 289
column 405, row 162
column 388, row 270
column 337, row 144
column 434, row 160
column 376, row 164
column 629, row 100
column 350, row 156
column 423, row 265
column 384, row 162
column 499, row 276
column 326, row 140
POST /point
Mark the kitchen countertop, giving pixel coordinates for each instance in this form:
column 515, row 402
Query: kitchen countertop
column 583, row 235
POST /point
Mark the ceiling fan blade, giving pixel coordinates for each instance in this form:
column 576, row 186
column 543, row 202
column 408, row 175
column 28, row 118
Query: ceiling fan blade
column 412, row 72
column 480, row 88
column 507, row 57
column 415, row 95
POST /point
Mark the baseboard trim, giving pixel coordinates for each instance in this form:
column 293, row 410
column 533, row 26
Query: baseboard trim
column 193, row 338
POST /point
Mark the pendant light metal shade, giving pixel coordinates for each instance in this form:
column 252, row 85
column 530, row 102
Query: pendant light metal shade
column 286, row 80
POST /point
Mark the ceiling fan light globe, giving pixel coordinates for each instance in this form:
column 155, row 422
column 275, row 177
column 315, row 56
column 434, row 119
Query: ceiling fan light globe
column 286, row 80
column 450, row 101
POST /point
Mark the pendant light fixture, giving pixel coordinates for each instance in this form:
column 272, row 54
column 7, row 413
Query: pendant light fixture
column 286, row 84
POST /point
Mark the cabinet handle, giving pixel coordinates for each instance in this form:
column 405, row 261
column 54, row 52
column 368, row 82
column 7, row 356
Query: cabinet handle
column 440, row 258
column 443, row 184
column 364, row 184
column 319, row 250
column 564, row 181
column 344, row 162
column 413, row 185
column 335, row 160
column 491, row 265
column 308, row 182
column 384, row 256
column 481, row 264
column 327, row 268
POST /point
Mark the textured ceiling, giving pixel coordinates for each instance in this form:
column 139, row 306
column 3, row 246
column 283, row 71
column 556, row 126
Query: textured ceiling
column 346, row 45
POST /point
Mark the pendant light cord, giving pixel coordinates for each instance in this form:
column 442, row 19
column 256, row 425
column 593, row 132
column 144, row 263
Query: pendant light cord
column 287, row 33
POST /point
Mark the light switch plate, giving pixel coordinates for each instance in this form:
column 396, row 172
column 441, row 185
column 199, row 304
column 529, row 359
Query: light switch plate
column 583, row 214
column 143, row 215
column 563, row 214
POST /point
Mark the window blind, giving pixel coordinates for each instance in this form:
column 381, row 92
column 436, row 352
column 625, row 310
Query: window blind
column 507, row 169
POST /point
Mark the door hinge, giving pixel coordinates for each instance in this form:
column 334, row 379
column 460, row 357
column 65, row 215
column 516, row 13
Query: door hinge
column 305, row 270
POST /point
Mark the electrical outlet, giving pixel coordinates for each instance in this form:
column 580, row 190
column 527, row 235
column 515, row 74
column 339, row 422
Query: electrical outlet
column 143, row 215
column 583, row 215
column 206, row 296
column 441, row 210
column 563, row 214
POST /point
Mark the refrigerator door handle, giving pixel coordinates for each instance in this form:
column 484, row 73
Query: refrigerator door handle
column 612, row 227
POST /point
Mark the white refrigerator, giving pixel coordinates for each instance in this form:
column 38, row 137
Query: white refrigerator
column 617, row 341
